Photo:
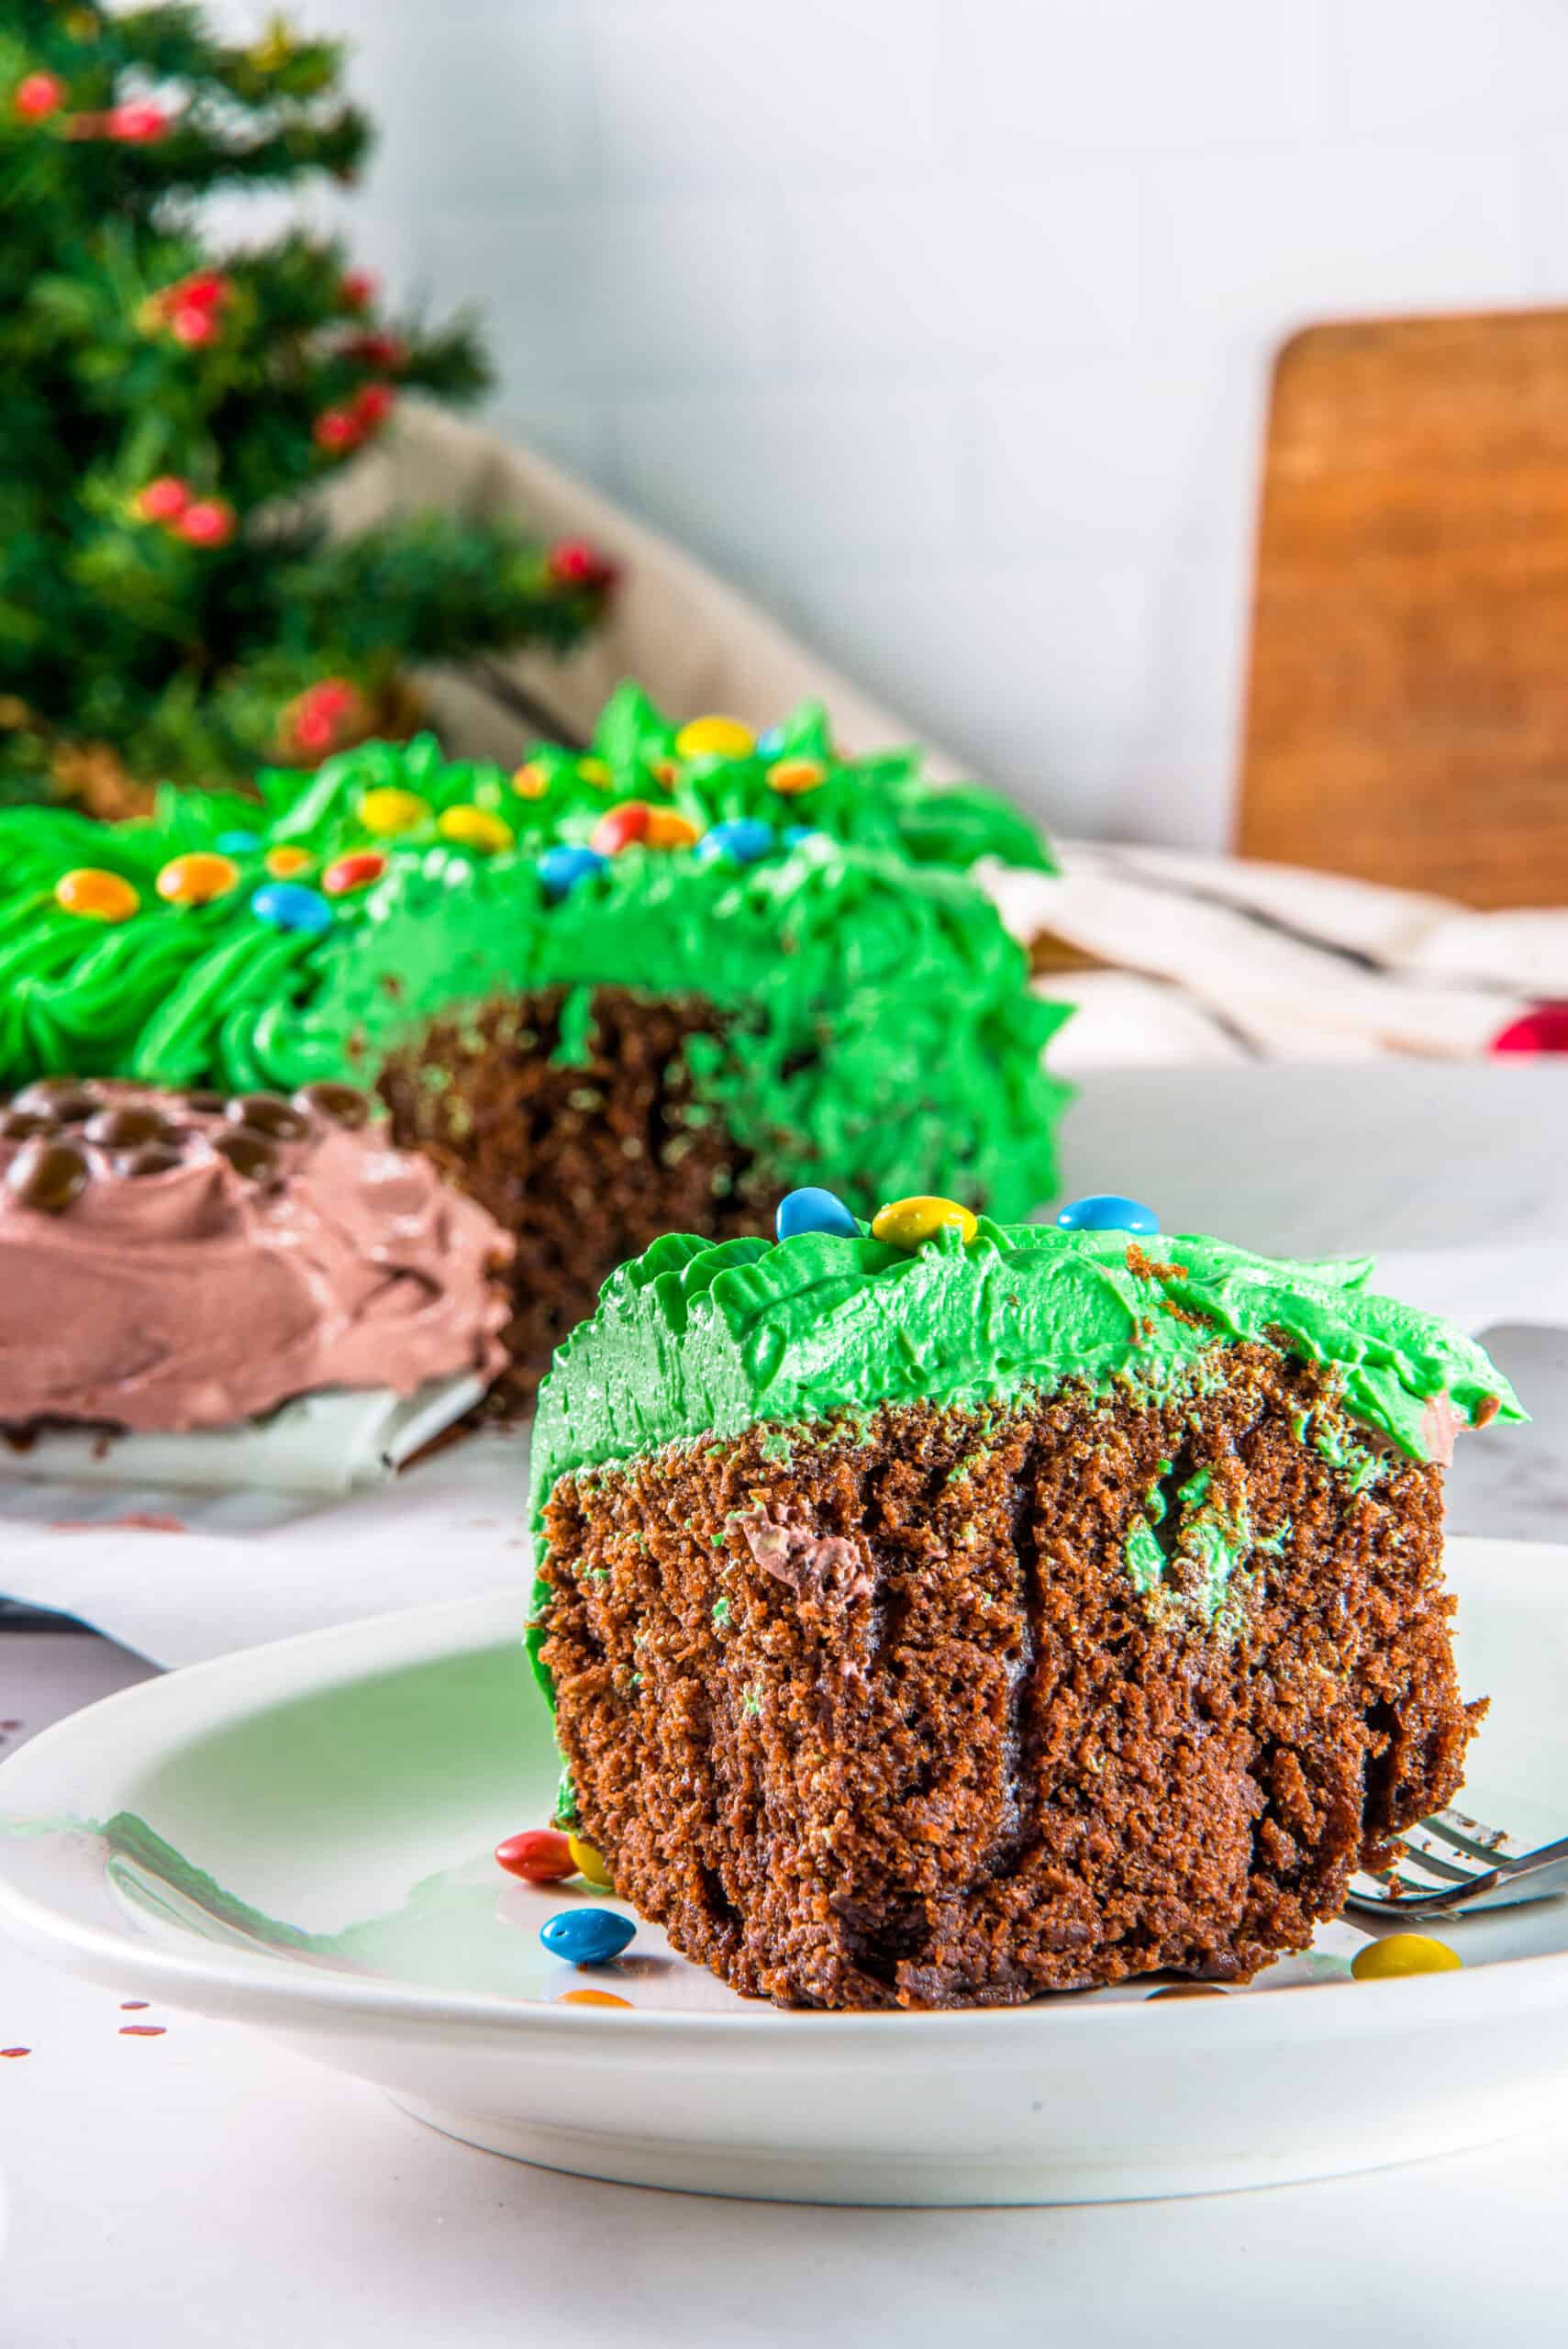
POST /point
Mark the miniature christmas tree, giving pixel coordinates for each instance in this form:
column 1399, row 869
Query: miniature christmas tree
column 171, row 605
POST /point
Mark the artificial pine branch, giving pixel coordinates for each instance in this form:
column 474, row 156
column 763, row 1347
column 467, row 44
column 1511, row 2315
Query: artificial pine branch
column 170, row 604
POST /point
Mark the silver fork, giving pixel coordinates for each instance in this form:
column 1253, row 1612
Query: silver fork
column 1452, row 1863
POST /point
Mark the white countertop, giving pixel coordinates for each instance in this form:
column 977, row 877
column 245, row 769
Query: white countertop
column 211, row 2186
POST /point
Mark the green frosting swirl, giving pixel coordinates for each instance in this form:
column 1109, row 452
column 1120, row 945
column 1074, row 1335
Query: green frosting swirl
column 879, row 1014
column 694, row 1339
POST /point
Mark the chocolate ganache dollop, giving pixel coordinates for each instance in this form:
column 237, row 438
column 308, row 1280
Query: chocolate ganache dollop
column 170, row 1260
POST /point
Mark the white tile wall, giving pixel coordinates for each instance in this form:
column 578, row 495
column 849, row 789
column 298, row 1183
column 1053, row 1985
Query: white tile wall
column 944, row 326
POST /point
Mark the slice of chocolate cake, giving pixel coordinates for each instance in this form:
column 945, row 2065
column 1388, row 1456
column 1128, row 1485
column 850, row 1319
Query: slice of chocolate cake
column 946, row 1612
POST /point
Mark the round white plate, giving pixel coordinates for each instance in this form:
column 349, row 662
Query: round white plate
column 299, row 1837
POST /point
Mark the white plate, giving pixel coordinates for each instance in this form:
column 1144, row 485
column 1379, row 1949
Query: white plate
column 345, row 1788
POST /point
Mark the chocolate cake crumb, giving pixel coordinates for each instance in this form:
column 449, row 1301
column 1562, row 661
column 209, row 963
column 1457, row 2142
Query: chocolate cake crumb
column 883, row 1717
column 586, row 1147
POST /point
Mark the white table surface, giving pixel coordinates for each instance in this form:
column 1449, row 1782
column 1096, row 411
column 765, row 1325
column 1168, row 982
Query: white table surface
column 208, row 2185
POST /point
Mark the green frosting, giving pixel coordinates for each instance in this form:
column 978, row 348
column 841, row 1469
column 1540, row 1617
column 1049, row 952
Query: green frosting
column 693, row 1339
column 884, row 1029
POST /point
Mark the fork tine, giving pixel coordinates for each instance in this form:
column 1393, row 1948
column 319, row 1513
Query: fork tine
column 1478, row 1841
column 1417, row 1842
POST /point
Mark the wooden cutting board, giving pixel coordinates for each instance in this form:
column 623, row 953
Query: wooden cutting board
column 1407, row 702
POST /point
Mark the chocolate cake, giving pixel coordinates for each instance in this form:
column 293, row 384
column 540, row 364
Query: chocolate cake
column 172, row 1261
column 610, row 994
column 946, row 1611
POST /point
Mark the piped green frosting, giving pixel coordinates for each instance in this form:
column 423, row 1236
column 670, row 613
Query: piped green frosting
column 693, row 1339
column 883, row 1027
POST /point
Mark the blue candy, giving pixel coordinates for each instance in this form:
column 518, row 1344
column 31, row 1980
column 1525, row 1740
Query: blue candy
column 561, row 869
column 238, row 843
column 1107, row 1211
column 586, row 1936
column 289, row 905
column 770, row 744
column 742, row 838
column 814, row 1211
column 794, row 833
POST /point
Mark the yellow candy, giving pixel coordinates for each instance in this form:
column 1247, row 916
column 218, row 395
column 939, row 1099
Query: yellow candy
column 791, row 777
column 475, row 827
column 387, row 810
column 285, row 862
column 667, row 828
column 594, row 771
column 1404, row 1954
column 95, row 895
column 905, row 1224
column 716, row 738
column 590, row 1864
column 196, row 879
column 530, row 782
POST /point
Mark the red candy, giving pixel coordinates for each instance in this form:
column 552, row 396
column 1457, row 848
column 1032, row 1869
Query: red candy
column 621, row 826
column 539, row 1855
column 1544, row 1029
column 356, row 871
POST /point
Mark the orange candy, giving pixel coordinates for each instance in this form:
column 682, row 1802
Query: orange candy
column 196, row 879
column 284, row 864
column 791, row 777
column 667, row 828
column 93, row 895
column 591, row 1998
column 530, row 782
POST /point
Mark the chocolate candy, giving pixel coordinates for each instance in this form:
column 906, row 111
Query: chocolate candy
column 540, row 1856
column 476, row 828
column 1399, row 1953
column 152, row 1158
column 269, row 1113
column 1108, row 1211
column 742, row 838
column 344, row 1104
column 814, row 1211
column 667, row 828
column 203, row 1103
column 586, row 1936
column 589, row 1860
column 289, row 905
column 621, row 826
column 65, row 1099
column 48, row 1175
column 795, row 777
column 249, row 1155
column 715, row 738
column 126, row 1127
column 93, row 895
column 561, row 869
column 910, row 1223
column 196, row 878
column 20, row 1125
column 355, row 872
column 387, row 811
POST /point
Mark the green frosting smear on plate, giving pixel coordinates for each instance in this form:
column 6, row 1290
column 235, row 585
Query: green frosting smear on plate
column 878, row 1016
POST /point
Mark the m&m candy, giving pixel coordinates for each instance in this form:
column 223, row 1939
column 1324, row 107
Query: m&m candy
column 386, row 811
column 770, row 744
column 1108, row 1211
column 475, row 827
column 792, row 776
column 353, row 872
column 715, row 738
column 667, row 828
column 742, row 838
column 597, row 772
column 592, row 1998
column 196, row 879
column 794, row 834
column 286, row 862
column 287, row 905
column 589, row 1860
column 93, row 895
column 1399, row 1953
column 239, row 844
column 586, row 1936
column 814, row 1211
column 908, row 1224
column 530, row 782
column 540, row 1856
column 561, row 869
column 621, row 826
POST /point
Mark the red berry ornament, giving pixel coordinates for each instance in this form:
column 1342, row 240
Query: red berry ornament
column 207, row 290
column 372, row 405
column 138, row 123
column 539, row 1855
column 336, row 430
column 619, row 827
column 207, row 522
column 37, row 97
column 573, row 564
column 356, row 289
column 194, row 326
column 163, row 500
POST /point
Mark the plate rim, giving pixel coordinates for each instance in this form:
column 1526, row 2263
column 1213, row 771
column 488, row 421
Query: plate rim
column 261, row 1987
